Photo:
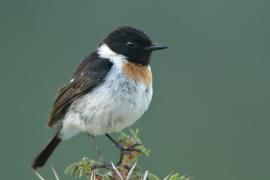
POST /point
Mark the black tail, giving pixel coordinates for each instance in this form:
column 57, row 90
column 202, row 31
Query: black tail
column 46, row 152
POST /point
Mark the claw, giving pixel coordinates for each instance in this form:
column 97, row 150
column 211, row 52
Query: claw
column 104, row 165
column 128, row 150
column 123, row 150
column 131, row 148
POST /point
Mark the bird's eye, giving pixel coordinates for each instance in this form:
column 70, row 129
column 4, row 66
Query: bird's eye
column 131, row 44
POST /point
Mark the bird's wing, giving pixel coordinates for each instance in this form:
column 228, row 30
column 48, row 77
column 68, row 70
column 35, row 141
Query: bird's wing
column 89, row 74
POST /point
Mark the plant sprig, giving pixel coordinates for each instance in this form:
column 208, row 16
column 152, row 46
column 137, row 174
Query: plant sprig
column 128, row 169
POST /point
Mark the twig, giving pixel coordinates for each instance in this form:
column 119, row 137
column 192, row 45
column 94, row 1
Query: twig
column 117, row 172
column 39, row 176
column 55, row 173
column 92, row 175
column 131, row 170
column 145, row 175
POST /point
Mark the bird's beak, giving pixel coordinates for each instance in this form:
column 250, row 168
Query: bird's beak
column 156, row 46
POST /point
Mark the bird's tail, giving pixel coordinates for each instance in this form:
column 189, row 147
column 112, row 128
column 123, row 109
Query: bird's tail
column 46, row 152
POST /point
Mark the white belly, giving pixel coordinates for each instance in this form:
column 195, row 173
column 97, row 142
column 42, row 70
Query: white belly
column 110, row 107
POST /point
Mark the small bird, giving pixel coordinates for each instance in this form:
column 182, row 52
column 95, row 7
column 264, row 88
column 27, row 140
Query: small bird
column 109, row 90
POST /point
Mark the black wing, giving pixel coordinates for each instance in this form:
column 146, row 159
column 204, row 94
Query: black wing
column 89, row 74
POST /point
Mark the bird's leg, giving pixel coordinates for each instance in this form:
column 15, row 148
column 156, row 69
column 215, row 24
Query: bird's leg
column 95, row 145
column 122, row 149
column 99, row 154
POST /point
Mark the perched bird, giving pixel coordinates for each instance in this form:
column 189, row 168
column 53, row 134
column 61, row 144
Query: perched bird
column 109, row 90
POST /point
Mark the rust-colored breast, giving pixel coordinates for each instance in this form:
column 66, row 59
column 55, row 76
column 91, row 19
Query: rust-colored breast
column 137, row 72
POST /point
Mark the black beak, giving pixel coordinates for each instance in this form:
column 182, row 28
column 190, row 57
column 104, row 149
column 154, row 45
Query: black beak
column 156, row 46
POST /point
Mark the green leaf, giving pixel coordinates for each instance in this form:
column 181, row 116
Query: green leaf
column 79, row 169
column 152, row 177
column 84, row 168
column 176, row 176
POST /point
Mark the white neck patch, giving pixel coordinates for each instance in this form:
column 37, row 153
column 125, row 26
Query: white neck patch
column 117, row 59
column 105, row 52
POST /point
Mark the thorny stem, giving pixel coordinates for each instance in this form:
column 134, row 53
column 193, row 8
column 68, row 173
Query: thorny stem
column 123, row 151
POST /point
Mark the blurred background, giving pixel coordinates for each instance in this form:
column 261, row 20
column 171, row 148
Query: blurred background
column 209, row 118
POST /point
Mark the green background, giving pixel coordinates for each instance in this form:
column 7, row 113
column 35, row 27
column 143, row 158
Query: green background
column 209, row 118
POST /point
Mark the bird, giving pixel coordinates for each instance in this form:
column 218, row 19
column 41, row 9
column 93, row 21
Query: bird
column 109, row 91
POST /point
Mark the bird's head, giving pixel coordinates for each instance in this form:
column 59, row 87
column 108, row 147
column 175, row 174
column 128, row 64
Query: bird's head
column 131, row 43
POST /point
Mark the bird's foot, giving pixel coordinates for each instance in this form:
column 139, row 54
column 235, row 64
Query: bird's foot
column 103, row 165
column 128, row 151
column 131, row 148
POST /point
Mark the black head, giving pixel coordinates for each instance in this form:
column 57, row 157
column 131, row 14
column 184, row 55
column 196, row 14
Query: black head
column 132, row 43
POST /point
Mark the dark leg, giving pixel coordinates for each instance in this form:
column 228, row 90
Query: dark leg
column 115, row 142
column 123, row 150
column 103, row 164
column 95, row 145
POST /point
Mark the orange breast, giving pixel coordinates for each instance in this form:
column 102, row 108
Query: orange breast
column 137, row 72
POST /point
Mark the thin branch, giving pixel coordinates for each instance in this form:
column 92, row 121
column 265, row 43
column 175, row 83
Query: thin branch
column 39, row 176
column 117, row 172
column 131, row 170
column 55, row 173
column 145, row 175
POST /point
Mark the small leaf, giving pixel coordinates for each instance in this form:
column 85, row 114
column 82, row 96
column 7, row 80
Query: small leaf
column 79, row 169
column 90, row 168
column 176, row 176
column 152, row 177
